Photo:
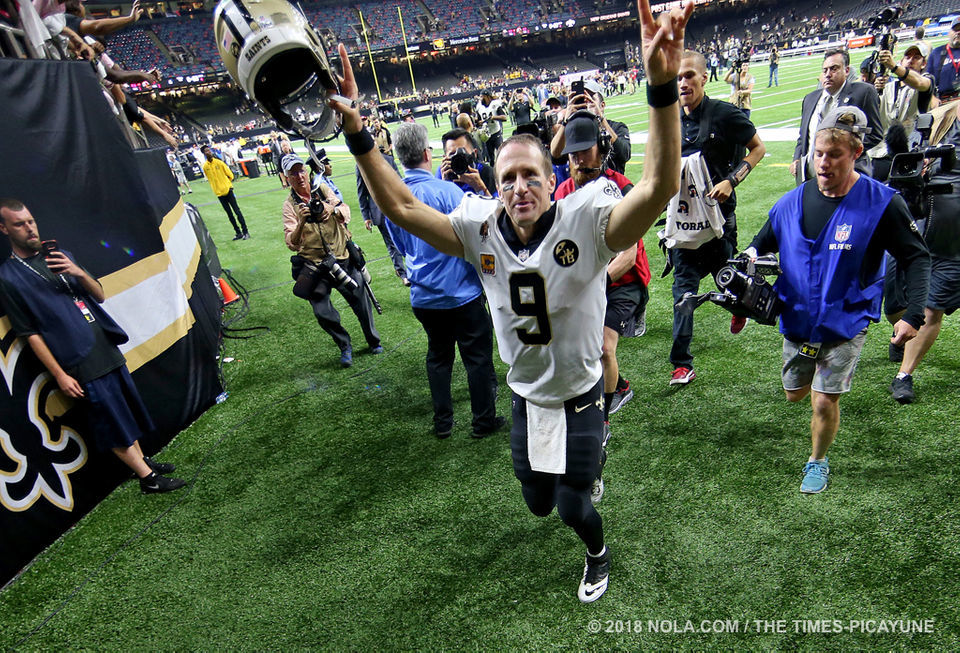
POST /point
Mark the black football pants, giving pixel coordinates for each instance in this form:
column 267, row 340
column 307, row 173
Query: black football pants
column 467, row 327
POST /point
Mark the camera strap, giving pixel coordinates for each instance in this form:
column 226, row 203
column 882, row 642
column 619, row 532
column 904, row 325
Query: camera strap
column 953, row 62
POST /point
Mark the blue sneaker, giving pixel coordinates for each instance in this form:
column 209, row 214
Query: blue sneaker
column 346, row 357
column 815, row 477
column 376, row 350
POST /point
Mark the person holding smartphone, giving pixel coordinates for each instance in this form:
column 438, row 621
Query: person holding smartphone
column 587, row 95
column 54, row 304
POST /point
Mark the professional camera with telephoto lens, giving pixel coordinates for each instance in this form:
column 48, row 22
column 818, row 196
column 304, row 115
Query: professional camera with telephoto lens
column 743, row 290
column 926, row 178
column 910, row 171
column 883, row 36
column 743, row 56
column 545, row 122
column 340, row 277
column 461, row 161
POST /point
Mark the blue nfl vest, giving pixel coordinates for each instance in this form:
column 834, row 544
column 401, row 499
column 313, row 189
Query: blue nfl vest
column 820, row 285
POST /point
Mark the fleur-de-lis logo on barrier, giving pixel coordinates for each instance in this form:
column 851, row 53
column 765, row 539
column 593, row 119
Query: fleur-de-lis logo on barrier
column 40, row 452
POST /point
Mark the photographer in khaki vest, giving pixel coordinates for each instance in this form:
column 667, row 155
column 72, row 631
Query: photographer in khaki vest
column 315, row 227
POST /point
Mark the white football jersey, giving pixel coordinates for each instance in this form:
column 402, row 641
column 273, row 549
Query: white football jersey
column 548, row 304
column 493, row 126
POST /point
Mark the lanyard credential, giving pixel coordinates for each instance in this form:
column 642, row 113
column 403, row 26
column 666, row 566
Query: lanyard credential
column 77, row 300
column 953, row 62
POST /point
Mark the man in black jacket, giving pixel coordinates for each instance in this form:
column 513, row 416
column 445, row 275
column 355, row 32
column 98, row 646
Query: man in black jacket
column 720, row 132
column 838, row 90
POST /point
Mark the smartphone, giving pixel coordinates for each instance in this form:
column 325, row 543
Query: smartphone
column 576, row 87
column 48, row 247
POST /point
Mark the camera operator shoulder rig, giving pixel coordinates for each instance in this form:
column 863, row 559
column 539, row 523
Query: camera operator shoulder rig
column 742, row 289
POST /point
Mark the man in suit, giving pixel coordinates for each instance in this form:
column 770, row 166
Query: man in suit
column 838, row 90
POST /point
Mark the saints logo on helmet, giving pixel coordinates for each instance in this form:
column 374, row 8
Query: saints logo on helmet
column 277, row 58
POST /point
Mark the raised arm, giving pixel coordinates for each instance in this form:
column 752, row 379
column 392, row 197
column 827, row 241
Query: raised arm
column 385, row 186
column 662, row 43
column 107, row 26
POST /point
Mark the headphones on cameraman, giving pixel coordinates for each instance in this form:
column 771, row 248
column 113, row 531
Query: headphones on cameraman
column 603, row 138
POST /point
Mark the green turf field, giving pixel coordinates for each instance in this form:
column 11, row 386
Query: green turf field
column 323, row 514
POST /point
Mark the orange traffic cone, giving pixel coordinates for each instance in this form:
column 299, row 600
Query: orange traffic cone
column 228, row 295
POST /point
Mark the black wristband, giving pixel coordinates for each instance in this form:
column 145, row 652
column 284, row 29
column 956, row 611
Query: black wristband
column 739, row 173
column 663, row 95
column 359, row 143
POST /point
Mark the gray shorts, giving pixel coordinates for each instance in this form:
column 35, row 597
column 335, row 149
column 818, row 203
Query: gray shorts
column 830, row 371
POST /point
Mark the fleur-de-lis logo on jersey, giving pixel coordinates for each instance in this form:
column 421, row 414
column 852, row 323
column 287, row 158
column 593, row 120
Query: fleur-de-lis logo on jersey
column 566, row 253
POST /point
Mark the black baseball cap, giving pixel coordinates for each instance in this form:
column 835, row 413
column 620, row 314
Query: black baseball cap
column 581, row 133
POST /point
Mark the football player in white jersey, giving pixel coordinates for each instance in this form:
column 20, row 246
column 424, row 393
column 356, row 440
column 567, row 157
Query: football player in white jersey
column 492, row 116
column 542, row 265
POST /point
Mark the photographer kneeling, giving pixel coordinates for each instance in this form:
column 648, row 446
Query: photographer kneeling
column 316, row 229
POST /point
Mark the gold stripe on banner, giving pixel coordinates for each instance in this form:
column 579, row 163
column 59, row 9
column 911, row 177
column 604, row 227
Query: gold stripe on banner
column 147, row 351
column 171, row 219
column 144, row 269
column 128, row 277
column 135, row 273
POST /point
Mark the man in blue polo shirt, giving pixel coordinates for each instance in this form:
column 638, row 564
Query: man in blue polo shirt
column 446, row 296
column 831, row 234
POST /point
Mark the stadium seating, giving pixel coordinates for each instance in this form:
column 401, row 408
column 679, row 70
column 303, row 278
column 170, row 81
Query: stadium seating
column 135, row 48
column 138, row 47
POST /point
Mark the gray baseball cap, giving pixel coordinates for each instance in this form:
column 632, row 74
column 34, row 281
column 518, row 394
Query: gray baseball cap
column 920, row 47
column 287, row 161
column 847, row 118
column 593, row 86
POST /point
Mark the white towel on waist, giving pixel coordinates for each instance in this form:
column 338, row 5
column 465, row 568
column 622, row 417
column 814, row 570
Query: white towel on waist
column 547, row 438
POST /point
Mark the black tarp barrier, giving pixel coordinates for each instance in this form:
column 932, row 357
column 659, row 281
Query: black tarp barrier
column 119, row 212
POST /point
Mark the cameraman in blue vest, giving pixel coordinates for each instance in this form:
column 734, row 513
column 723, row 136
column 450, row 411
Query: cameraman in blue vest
column 832, row 234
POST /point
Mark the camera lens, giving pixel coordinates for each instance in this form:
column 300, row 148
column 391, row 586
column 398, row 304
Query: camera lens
column 725, row 276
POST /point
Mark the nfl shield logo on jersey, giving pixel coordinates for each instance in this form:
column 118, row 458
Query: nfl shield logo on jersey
column 843, row 233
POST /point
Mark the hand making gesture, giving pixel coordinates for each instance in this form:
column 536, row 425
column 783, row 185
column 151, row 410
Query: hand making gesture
column 662, row 41
column 352, row 123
